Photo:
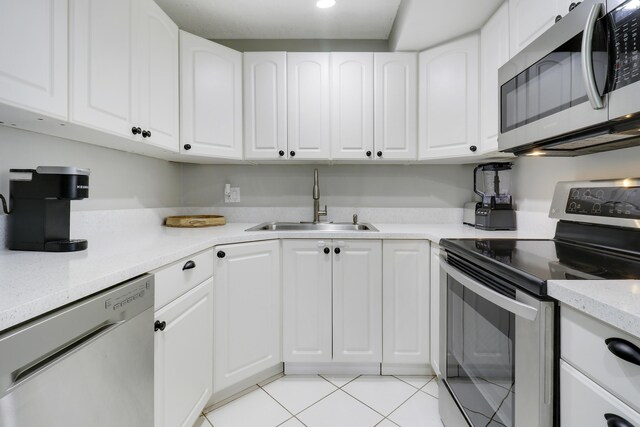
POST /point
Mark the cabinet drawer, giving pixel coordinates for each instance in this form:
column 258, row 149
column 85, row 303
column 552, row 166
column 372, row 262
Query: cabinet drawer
column 583, row 345
column 584, row 403
column 175, row 279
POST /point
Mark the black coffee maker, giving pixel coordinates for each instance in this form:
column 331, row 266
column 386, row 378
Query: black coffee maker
column 495, row 212
column 40, row 207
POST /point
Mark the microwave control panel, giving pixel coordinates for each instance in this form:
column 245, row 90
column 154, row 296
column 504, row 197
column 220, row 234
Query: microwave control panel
column 613, row 202
column 625, row 26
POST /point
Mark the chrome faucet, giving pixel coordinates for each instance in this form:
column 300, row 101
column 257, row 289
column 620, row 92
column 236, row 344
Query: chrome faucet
column 317, row 213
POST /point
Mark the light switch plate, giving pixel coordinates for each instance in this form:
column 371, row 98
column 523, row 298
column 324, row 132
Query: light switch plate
column 233, row 196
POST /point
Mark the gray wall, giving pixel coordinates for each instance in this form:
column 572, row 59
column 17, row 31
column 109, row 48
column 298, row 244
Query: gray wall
column 340, row 185
column 118, row 180
column 535, row 177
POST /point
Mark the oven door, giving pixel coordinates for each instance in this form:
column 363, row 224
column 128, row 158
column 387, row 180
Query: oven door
column 497, row 353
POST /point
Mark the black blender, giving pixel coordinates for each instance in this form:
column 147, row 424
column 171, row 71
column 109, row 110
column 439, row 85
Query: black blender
column 495, row 211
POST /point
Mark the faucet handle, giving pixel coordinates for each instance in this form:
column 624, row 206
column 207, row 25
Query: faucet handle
column 355, row 219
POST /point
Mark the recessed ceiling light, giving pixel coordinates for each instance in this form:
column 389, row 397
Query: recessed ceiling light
column 323, row 4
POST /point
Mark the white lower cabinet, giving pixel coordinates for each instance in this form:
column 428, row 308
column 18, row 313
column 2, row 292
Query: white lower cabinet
column 246, row 324
column 585, row 403
column 345, row 326
column 406, row 301
column 183, row 352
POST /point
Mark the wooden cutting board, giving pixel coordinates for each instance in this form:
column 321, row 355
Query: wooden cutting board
column 195, row 221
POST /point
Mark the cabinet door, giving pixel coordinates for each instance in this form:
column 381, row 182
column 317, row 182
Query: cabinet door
column 183, row 353
column 308, row 104
column 357, row 301
column 306, row 314
column 351, row 105
column 435, row 307
column 246, row 322
column 528, row 19
column 102, row 93
column 396, row 105
column 405, row 311
column 265, row 105
column 210, row 98
column 494, row 53
column 157, row 81
column 33, row 56
column 448, row 96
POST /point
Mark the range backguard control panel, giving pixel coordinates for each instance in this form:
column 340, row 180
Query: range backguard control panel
column 614, row 202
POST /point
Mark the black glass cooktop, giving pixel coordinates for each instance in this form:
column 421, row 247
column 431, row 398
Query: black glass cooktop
column 536, row 261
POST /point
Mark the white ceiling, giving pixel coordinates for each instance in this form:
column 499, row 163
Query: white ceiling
column 283, row 19
column 425, row 23
column 419, row 24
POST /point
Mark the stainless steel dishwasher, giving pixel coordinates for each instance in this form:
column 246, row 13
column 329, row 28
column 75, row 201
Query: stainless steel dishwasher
column 86, row 364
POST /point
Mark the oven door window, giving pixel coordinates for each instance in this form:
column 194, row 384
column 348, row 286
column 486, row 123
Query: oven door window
column 480, row 357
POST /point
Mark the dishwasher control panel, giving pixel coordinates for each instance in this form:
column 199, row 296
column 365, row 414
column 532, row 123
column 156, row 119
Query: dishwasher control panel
column 136, row 293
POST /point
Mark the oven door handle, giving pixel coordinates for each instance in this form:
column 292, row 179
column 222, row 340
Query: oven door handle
column 519, row 309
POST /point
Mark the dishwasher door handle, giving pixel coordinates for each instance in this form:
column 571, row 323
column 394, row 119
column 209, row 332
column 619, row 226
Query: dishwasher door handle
column 48, row 360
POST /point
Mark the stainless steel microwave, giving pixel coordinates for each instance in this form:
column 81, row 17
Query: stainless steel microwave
column 576, row 88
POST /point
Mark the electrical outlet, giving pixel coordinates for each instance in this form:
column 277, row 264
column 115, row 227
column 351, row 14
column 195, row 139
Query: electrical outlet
column 233, row 195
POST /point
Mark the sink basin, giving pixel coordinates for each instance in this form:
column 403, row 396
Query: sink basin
column 309, row 226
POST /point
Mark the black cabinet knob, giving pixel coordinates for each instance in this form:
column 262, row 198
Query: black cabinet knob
column 368, row 153
column 189, row 265
column 136, row 130
column 327, row 250
column 473, row 148
column 221, row 254
column 159, row 326
column 379, row 154
column 337, row 251
column 281, row 153
column 614, row 420
column 558, row 18
column 187, row 146
column 624, row 350
column 146, row 133
column 292, row 153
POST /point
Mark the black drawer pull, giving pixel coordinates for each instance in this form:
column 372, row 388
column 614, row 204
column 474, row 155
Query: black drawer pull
column 616, row 421
column 189, row 265
column 624, row 350
column 159, row 326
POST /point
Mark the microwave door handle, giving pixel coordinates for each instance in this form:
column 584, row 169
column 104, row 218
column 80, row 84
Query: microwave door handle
column 588, row 74
column 519, row 309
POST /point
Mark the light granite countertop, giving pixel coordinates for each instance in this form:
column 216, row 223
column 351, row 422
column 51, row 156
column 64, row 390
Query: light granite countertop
column 34, row 283
column 616, row 302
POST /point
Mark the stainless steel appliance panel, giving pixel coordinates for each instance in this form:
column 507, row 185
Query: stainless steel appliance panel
column 88, row 364
column 504, row 367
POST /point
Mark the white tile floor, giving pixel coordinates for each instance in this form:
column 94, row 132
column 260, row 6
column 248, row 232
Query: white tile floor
column 333, row 401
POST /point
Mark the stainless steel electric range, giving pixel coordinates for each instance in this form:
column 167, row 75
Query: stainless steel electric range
column 500, row 341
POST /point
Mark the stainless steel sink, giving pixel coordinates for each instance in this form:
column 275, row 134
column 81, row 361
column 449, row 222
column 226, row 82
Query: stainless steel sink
column 309, row 226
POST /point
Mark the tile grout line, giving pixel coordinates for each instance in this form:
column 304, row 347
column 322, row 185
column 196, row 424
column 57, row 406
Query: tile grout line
column 419, row 388
column 399, row 406
column 276, row 400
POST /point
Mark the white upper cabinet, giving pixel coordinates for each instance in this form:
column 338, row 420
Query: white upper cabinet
column 351, row 105
column 210, row 98
column 102, row 55
column 308, row 103
column 530, row 18
column 265, row 105
column 158, row 76
column 33, row 56
column 124, row 82
column 448, row 96
column 494, row 53
column 357, row 301
column 396, row 106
